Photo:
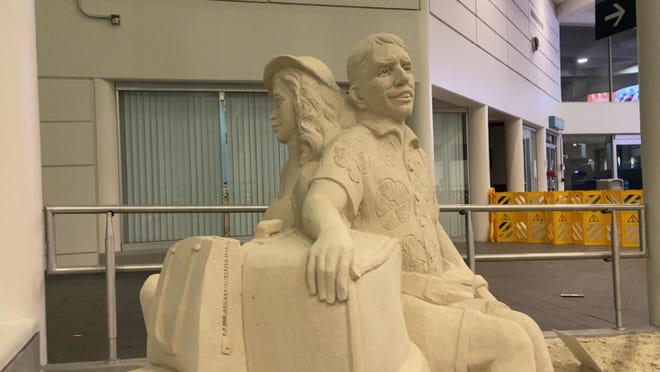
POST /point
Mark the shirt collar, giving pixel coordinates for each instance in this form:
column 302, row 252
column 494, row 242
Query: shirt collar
column 382, row 129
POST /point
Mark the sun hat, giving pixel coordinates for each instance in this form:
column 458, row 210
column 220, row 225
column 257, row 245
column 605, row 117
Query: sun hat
column 311, row 65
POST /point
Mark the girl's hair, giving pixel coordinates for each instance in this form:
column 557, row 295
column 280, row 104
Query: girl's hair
column 319, row 110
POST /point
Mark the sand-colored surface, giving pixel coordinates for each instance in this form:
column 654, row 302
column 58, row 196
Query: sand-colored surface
column 632, row 352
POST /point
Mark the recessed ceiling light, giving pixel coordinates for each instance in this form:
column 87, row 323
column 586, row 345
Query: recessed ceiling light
column 582, row 60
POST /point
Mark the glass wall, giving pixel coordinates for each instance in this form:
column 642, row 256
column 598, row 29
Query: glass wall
column 584, row 66
column 587, row 158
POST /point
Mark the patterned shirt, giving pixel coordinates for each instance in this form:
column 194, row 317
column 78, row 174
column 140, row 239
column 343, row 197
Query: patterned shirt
column 386, row 176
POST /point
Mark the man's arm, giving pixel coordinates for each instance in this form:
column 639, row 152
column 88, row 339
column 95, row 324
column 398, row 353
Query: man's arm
column 448, row 249
column 330, row 256
column 451, row 254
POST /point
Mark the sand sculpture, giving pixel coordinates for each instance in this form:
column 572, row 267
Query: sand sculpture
column 350, row 269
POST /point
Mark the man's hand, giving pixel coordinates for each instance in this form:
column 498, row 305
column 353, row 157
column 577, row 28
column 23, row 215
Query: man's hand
column 328, row 265
column 331, row 255
column 481, row 289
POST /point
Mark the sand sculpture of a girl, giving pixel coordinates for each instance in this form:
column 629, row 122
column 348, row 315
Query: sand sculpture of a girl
column 310, row 110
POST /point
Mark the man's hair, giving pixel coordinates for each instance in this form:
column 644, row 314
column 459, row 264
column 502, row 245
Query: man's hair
column 355, row 60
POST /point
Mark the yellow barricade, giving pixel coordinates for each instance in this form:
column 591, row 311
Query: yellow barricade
column 582, row 227
column 591, row 228
column 506, row 225
column 629, row 229
column 559, row 228
column 536, row 221
column 629, row 220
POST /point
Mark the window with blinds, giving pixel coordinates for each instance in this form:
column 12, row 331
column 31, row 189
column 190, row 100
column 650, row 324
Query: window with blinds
column 183, row 147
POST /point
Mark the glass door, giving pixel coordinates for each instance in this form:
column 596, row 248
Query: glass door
column 451, row 166
column 628, row 153
column 551, row 161
column 530, row 159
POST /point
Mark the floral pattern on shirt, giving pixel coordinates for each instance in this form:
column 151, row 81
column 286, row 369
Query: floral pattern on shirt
column 414, row 255
column 393, row 204
column 386, row 151
column 353, row 158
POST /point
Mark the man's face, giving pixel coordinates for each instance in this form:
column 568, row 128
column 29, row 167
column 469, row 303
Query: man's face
column 386, row 84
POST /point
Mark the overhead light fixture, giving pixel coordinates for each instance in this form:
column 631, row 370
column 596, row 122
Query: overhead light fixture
column 582, row 60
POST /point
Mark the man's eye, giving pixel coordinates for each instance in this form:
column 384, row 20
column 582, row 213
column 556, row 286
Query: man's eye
column 384, row 71
column 407, row 67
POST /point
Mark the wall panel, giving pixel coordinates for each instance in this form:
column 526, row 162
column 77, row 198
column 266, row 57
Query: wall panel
column 68, row 143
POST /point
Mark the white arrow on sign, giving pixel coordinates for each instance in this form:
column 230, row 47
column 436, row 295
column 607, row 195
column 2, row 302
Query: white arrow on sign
column 618, row 14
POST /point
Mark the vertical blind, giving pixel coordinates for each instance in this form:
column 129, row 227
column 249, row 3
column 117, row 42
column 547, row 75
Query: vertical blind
column 171, row 155
column 175, row 151
column 451, row 181
column 255, row 157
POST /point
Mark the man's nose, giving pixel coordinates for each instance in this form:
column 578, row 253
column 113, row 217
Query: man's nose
column 402, row 76
column 272, row 114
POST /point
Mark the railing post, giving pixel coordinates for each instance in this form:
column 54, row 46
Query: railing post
column 469, row 240
column 642, row 229
column 51, row 253
column 111, row 289
column 225, row 216
column 616, row 273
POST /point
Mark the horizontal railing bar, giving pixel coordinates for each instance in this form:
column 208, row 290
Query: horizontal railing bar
column 101, row 269
column 539, row 207
column 479, row 258
column 501, row 257
column 98, row 209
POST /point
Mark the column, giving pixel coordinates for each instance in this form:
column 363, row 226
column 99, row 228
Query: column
column 648, row 29
column 515, row 168
column 107, row 148
column 477, row 118
column 421, row 121
column 21, row 217
column 541, row 160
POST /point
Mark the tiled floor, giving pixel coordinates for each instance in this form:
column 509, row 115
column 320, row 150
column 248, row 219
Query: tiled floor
column 76, row 309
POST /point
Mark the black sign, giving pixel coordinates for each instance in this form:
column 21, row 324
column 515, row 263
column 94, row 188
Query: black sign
column 614, row 16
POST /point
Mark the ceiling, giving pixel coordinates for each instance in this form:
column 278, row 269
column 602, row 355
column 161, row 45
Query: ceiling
column 575, row 12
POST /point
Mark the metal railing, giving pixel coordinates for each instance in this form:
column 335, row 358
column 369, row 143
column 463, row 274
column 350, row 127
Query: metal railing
column 111, row 268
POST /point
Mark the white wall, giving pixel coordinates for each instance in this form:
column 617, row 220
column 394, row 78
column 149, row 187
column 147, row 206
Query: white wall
column 481, row 49
column 600, row 118
column 21, row 217
column 195, row 40
column 69, row 164
column 170, row 41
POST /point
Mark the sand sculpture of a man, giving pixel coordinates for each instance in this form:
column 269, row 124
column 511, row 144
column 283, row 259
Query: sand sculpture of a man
column 375, row 178
column 369, row 234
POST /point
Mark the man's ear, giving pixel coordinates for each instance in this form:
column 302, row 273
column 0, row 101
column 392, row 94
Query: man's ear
column 354, row 93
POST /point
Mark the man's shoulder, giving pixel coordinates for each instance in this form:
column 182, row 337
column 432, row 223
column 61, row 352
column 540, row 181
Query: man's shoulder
column 356, row 130
column 353, row 135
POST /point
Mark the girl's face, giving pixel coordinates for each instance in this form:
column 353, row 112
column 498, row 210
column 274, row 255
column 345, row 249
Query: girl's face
column 283, row 116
